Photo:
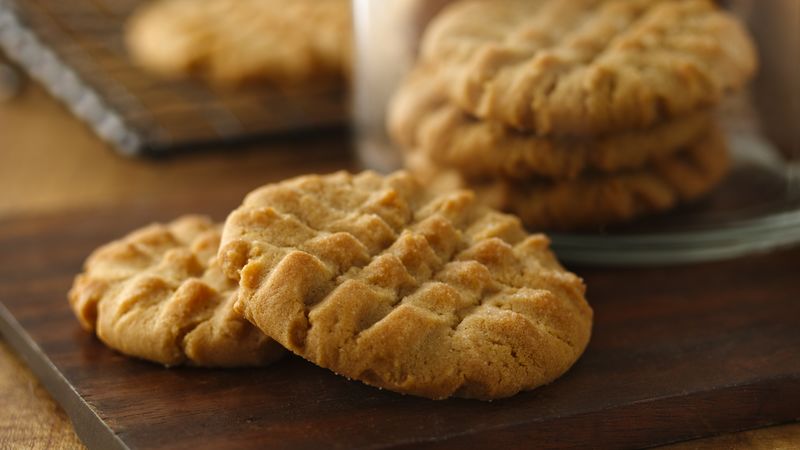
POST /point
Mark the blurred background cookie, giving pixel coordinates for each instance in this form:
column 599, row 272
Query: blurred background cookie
column 588, row 67
column 422, row 118
column 596, row 199
column 237, row 41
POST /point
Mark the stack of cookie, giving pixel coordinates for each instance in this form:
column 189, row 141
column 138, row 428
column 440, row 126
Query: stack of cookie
column 574, row 114
column 376, row 278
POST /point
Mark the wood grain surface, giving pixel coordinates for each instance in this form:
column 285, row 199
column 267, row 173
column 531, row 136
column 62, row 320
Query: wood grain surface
column 49, row 163
column 30, row 418
column 676, row 354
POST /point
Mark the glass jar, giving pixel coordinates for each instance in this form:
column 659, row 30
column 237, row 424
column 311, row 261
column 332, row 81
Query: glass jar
column 755, row 207
column 387, row 36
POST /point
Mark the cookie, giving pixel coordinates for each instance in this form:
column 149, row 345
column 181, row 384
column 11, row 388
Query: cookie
column 159, row 294
column 435, row 296
column 237, row 41
column 587, row 67
column 596, row 200
column 421, row 118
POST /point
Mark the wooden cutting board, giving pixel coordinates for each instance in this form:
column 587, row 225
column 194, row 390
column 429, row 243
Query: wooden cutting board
column 677, row 353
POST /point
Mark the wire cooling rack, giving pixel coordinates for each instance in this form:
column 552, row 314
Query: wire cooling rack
column 75, row 49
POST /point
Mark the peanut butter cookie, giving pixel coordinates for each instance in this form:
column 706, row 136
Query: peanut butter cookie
column 236, row 41
column 422, row 118
column 595, row 200
column 587, row 67
column 159, row 294
column 376, row 279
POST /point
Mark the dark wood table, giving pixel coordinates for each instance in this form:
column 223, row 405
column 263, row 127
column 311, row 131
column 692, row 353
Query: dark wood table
column 51, row 165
